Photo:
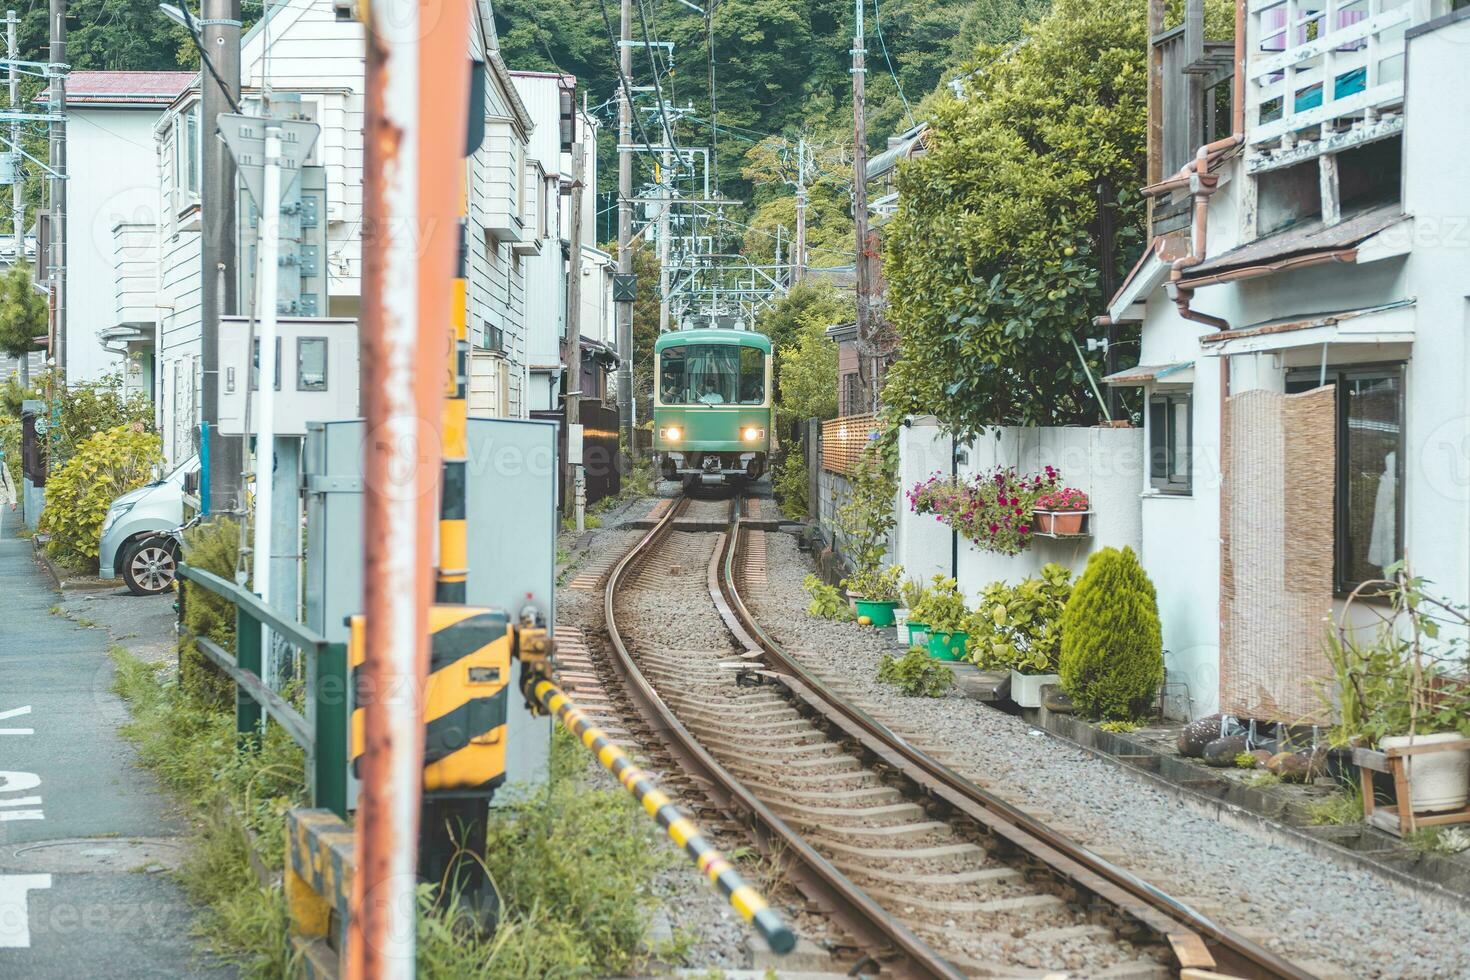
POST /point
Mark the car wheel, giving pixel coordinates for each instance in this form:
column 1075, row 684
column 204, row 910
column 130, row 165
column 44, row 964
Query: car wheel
column 150, row 567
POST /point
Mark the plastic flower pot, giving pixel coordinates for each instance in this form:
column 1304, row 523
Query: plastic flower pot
column 918, row 633
column 947, row 646
column 1060, row 522
column 1437, row 780
column 878, row 613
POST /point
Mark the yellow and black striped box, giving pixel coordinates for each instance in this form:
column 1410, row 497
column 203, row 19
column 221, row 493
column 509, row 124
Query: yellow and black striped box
column 466, row 702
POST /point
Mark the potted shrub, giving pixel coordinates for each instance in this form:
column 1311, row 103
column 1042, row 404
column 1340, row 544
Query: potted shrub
column 1062, row 512
column 875, row 593
column 1112, row 659
column 942, row 610
column 1019, row 628
column 910, row 627
column 1399, row 685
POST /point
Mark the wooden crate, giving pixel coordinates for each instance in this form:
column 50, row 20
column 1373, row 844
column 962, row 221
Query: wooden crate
column 1400, row 818
column 843, row 440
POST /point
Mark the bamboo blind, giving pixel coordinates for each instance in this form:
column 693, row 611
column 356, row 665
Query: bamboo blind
column 1276, row 555
column 843, row 440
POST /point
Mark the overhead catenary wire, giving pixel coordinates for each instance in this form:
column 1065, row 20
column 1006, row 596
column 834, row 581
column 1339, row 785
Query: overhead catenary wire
column 878, row 23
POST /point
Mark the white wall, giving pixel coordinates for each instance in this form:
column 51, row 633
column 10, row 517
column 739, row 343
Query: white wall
column 112, row 178
column 1106, row 463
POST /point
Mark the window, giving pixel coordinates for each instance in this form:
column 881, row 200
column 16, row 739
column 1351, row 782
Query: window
column 186, row 157
column 255, row 366
column 1170, row 444
column 851, row 395
column 1369, row 515
column 311, row 364
column 712, row 374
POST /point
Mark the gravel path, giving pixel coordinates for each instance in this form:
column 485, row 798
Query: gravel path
column 690, row 913
column 1333, row 920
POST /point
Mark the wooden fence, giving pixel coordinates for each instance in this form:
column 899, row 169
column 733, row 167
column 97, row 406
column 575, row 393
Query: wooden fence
column 843, row 440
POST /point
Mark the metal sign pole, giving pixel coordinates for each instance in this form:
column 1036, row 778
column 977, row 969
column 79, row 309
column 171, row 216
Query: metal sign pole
column 269, row 249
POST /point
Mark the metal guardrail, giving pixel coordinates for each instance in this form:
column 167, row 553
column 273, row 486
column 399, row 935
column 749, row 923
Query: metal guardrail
column 322, row 731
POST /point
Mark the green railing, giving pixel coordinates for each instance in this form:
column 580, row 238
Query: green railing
column 322, row 731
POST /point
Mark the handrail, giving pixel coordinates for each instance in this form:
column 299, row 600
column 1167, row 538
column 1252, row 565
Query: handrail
column 299, row 636
column 322, row 730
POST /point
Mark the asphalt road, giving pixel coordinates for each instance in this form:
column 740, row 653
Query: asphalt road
column 87, row 837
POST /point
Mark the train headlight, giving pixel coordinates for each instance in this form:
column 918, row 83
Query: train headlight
column 672, row 432
column 751, row 433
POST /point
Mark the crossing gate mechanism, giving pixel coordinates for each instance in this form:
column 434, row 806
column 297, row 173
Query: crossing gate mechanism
column 467, row 698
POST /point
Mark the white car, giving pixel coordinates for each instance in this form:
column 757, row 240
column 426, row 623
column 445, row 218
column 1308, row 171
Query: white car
column 135, row 541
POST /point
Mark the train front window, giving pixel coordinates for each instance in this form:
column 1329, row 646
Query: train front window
column 712, row 374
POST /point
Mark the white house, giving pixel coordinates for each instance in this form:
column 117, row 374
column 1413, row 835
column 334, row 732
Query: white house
column 313, row 64
column 1305, row 337
column 112, row 195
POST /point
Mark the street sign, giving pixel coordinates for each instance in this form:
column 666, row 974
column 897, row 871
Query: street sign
column 625, row 288
column 245, row 136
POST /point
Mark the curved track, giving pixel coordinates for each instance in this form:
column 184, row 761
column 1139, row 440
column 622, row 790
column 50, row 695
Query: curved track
column 928, row 875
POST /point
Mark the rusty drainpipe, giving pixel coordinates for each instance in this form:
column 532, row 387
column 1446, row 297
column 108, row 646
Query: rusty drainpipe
column 417, row 64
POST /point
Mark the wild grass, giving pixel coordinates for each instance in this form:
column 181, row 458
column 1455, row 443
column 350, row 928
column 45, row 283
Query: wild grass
column 1338, row 810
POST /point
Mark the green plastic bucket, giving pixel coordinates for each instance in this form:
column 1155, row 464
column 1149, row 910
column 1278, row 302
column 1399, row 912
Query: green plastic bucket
column 947, row 646
column 918, row 634
column 879, row 613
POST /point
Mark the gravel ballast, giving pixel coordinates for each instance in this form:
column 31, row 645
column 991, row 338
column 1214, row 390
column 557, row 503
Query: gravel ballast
column 1332, row 919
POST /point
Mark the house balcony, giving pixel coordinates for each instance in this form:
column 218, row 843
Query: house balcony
column 1324, row 76
column 135, row 272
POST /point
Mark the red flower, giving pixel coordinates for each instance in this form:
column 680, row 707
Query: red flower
column 1025, row 529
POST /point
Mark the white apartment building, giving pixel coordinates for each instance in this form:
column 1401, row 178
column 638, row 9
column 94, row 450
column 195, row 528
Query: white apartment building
column 313, row 65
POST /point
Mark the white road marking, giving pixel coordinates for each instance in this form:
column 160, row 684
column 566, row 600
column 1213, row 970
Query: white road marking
column 15, row 916
column 16, row 713
column 19, row 782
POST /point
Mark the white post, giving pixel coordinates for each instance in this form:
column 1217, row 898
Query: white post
column 269, row 246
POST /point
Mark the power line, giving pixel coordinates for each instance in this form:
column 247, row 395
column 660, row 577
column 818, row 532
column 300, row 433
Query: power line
column 878, row 22
column 622, row 79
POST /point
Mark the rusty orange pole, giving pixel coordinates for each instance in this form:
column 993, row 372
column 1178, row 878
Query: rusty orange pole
column 415, row 103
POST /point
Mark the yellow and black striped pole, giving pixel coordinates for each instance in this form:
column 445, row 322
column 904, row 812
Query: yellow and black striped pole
column 449, row 586
column 681, row 830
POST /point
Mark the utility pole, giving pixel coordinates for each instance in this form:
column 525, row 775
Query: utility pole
column 572, row 343
column 1107, row 273
column 667, row 202
column 798, row 251
column 56, row 105
column 625, row 233
column 220, row 39
column 860, row 211
column 17, row 186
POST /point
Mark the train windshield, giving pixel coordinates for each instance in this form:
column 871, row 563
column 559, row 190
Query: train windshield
column 712, row 374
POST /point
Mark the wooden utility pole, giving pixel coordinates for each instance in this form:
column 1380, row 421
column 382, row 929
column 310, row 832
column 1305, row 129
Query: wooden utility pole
column 572, row 342
column 56, row 105
column 219, row 92
column 867, row 383
column 625, row 231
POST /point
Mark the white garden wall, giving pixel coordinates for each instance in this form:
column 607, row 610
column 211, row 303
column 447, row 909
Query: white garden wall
column 1105, row 462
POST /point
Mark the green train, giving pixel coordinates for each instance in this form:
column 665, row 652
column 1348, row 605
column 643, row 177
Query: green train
column 712, row 414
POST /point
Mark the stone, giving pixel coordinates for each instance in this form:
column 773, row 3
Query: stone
column 1263, row 756
column 1053, row 698
column 1221, row 752
column 1297, row 767
column 1196, row 735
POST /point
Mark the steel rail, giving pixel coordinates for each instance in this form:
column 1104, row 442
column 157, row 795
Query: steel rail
column 872, row 926
column 1198, row 942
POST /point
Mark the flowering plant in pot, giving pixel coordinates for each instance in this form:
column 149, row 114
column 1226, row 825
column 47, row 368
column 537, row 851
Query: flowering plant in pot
column 992, row 510
column 875, row 593
column 1062, row 511
column 1019, row 628
column 942, row 610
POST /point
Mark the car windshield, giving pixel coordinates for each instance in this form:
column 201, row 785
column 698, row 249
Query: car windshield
column 712, row 374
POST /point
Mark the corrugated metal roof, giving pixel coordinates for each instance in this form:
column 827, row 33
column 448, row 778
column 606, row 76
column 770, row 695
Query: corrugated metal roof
column 124, row 87
column 888, row 159
column 1312, row 236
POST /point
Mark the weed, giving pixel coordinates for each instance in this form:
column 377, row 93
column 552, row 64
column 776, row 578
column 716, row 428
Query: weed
column 1438, row 840
column 1119, row 727
column 1339, row 809
column 916, row 674
column 826, row 602
column 1262, row 779
column 85, row 623
column 54, row 610
column 1245, row 760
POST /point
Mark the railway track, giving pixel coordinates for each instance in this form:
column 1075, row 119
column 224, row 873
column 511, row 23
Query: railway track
column 926, row 874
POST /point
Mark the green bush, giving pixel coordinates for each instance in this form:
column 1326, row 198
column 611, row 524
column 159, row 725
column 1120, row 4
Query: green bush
column 826, row 602
column 104, row 467
column 1019, row 627
column 212, row 547
column 789, row 481
column 1112, row 659
column 916, row 674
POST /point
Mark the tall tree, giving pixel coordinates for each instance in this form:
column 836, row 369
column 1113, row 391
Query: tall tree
column 23, row 311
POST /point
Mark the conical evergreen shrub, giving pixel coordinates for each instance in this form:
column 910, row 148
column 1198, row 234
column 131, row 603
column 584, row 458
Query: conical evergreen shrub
column 1112, row 652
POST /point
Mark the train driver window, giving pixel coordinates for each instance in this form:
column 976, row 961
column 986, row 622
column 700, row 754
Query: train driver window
column 752, row 376
column 671, row 377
